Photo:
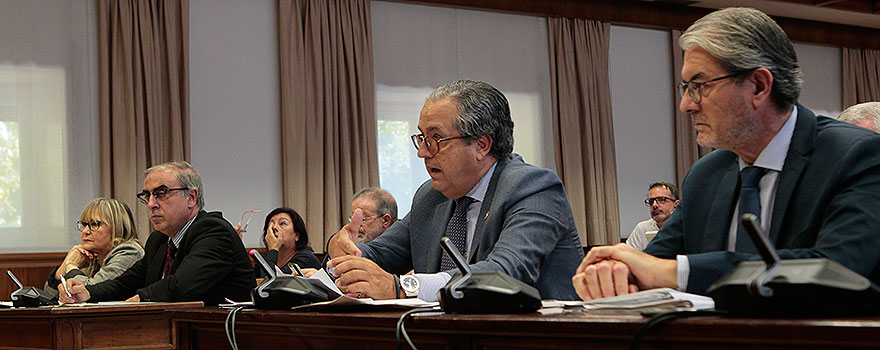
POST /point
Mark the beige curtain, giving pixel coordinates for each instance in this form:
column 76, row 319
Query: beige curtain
column 861, row 76
column 582, row 125
column 687, row 151
column 327, row 109
column 143, row 67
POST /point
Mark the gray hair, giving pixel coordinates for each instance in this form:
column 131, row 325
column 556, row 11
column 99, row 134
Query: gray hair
column 856, row 113
column 482, row 110
column 186, row 175
column 744, row 39
column 385, row 203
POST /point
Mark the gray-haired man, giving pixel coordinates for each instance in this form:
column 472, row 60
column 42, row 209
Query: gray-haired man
column 501, row 213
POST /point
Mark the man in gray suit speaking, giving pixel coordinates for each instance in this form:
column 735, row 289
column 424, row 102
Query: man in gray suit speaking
column 501, row 213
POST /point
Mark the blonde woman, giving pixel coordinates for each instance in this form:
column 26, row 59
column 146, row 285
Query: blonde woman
column 109, row 245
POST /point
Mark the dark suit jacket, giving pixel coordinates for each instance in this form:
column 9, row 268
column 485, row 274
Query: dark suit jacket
column 525, row 228
column 827, row 204
column 211, row 264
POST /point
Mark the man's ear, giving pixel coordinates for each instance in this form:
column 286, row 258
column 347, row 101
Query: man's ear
column 192, row 197
column 386, row 220
column 762, row 79
column 484, row 145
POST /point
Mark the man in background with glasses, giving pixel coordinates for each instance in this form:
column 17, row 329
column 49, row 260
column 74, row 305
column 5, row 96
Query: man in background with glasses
column 662, row 199
column 192, row 255
column 501, row 213
column 379, row 209
column 813, row 182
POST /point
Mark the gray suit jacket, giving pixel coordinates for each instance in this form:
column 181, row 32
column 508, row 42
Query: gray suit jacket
column 525, row 228
column 827, row 204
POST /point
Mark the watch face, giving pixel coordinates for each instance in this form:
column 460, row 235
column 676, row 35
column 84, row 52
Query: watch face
column 409, row 283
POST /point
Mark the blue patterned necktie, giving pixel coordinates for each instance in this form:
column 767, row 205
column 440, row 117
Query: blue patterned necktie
column 456, row 230
column 749, row 202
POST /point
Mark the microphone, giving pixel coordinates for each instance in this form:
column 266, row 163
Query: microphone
column 12, row 276
column 494, row 292
column 28, row 296
column 285, row 291
column 795, row 287
column 270, row 272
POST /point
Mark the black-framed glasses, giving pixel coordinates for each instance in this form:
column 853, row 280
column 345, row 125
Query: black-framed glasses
column 159, row 193
column 433, row 144
column 695, row 88
column 92, row 225
column 660, row 200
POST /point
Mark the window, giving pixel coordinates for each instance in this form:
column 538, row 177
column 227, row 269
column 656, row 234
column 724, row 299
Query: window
column 48, row 123
column 418, row 48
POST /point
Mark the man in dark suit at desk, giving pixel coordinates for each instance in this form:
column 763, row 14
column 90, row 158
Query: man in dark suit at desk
column 501, row 213
column 192, row 255
column 814, row 182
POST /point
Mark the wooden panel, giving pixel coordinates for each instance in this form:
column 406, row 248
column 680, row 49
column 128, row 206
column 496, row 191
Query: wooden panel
column 203, row 329
column 664, row 15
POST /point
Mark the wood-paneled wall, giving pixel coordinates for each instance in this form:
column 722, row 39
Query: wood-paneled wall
column 31, row 269
column 667, row 15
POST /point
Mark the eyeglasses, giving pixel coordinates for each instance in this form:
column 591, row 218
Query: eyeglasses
column 659, row 200
column 93, row 225
column 694, row 88
column 433, row 144
column 365, row 219
column 249, row 217
column 159, row 193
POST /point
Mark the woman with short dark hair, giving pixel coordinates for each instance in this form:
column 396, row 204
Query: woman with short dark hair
column 287, row 241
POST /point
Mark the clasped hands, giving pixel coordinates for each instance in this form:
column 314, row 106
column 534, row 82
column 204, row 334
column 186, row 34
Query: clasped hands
column 357, row 275
column 609, row 271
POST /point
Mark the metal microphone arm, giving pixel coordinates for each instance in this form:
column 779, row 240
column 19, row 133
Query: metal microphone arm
column 460, row 262
column 270, row 272
column 757, row 285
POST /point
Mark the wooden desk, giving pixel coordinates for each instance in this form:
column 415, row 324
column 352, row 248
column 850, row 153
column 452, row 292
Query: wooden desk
column 203, row 329
column 129, row 326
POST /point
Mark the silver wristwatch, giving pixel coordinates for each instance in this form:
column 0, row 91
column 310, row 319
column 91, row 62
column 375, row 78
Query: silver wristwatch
column 410, row 285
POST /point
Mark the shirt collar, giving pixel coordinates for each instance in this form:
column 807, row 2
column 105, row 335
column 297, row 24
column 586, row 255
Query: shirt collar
column 772, row 157
column 179, row 236
column 479, row 190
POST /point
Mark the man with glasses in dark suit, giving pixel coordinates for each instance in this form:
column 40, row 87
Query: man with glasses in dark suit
column 192, row 255
column 813, row 182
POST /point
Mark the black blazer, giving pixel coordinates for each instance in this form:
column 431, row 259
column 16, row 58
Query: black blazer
column 827, row 204
column 211, row 264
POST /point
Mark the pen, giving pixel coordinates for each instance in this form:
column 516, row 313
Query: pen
column 298, row 270
column 64, row 284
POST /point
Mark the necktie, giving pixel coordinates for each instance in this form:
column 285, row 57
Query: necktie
column 169, row 258
column 749, row 202
column 456, row 230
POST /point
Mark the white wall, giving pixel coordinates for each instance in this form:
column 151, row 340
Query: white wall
column 642, row 103
column 234, row 107
column 822, row 90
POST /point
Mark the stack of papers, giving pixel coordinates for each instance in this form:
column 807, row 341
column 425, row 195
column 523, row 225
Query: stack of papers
column 653, row 300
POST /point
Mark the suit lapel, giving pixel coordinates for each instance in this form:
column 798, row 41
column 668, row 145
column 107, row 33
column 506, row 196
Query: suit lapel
column 442, row 214
column 795, row 162
column 716, row 233
column 485, row 208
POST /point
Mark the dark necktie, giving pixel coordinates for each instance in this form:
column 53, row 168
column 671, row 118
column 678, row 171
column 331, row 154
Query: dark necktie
column 456, row 230
column 169, row 258
column 749, row 202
